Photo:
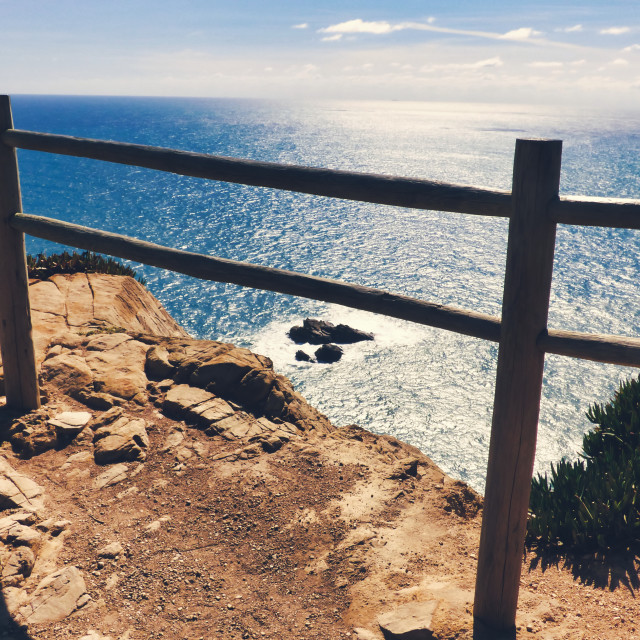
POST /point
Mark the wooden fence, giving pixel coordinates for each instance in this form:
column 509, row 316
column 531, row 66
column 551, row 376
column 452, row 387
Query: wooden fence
column 534, row 208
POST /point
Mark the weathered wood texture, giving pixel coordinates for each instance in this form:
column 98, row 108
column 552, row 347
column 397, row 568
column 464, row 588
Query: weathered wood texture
column 516, row 406
column 596, row 212
column 599, row 348
column 469, row 323
column 390, row 190
column 18, row 358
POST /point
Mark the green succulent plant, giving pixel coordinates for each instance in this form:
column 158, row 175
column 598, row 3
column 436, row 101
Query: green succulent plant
column 593, row 503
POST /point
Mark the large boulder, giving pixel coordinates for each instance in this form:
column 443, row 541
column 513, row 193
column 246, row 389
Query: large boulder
column 57, row 596
column 328, row 353
column 117, row 438
column 315, row 331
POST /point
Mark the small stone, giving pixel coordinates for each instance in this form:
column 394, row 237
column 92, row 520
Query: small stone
column 112, row 550
column 157, row 365
column 115, row 474
column 411, row 621
column 96, row 400
column 172, row 440
column 69, row 424
column 54, row 527
column 69, row 372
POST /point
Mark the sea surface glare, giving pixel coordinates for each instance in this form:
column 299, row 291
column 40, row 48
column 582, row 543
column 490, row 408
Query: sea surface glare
column 429, row 387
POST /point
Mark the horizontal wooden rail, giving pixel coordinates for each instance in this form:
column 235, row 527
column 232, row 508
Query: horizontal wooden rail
column 596, row 212
column 412, row 193
column 469, row 323
column 600, row 348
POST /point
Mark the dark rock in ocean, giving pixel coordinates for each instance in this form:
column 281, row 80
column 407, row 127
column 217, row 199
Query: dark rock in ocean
column 329, row 353
column 301, row 356
column 321, row 332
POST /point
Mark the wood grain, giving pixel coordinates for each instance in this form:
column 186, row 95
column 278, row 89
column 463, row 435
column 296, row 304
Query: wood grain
column 530, row 249
column 596, row 212
column 598, row 348
column 18, row 356
column 469, row 323
column 391, row 190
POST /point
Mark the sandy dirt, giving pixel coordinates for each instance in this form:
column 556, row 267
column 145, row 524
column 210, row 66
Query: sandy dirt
column 313, row 541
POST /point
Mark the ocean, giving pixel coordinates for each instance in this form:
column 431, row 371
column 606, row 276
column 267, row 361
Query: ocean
column 428, row 387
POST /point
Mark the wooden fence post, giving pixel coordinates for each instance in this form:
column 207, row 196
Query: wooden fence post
column 18, row 358
column 536, row 178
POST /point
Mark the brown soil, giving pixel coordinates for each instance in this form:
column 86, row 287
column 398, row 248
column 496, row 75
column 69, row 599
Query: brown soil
column 312, row 541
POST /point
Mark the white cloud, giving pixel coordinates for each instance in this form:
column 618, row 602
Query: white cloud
column 524, row 33
column 633, row 47
column 361, row 26
column 333, row 38
column 357, row 26
column 615, row 31
column 620, row 62
column 578, row 63
column 376, row 27
column 302, row 25
column 574, row 29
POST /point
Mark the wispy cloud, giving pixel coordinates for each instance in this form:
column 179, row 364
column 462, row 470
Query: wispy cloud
column 575, row 29
column 524, row 33
column 615, row 31
column 620, row 62
column 471, row 66
column 382, row 27
column 333, row 38
column 302, row 25
column 633, row 47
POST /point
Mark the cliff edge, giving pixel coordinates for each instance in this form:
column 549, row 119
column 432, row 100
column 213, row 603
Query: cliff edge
column 179, row 488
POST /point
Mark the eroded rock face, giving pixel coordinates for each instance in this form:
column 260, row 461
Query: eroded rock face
column 120, row 441
column 17, row 567
column 69, row 371
column 17, row 491
column 211, row 375
column 57, row 596
column 66, row 304
column 36, row 432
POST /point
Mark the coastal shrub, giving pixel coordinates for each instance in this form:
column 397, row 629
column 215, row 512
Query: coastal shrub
column 43, row 266
column 594, row 503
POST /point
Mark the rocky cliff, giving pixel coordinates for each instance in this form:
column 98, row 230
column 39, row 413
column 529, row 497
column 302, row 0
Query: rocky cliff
column 180, row 488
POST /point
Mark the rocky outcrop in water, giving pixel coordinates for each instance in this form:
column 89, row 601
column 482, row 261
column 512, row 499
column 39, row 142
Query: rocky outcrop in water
column 328, row 335
column 315, row 331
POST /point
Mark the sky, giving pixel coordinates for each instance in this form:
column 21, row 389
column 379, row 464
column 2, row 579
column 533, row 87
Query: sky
column 584, row 53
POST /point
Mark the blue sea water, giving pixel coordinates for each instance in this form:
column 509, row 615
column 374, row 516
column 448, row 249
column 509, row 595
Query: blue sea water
column 431, row 388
